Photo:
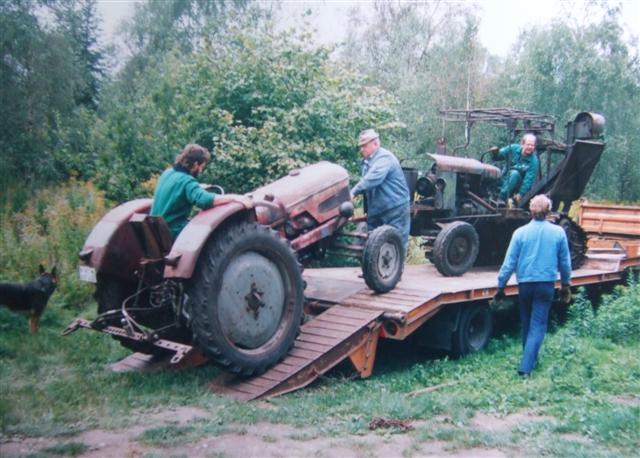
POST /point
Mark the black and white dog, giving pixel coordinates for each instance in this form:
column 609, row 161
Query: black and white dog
column 30, row 298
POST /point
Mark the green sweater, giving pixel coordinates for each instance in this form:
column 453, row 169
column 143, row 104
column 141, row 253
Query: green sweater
column 526, row 165
column 176, row 193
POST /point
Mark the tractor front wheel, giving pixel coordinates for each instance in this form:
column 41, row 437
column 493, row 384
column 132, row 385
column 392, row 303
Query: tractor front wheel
column 383, row 259
column 246, row 298
column 455, row 249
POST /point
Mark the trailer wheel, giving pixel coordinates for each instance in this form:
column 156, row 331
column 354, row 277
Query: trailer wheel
column 383, row 259
column 455, row 249
column 246, row 298
column 474, row 330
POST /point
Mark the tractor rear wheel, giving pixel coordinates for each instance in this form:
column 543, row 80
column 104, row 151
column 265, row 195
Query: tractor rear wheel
column 383, row 259
column 246, row 297
column 455, row 249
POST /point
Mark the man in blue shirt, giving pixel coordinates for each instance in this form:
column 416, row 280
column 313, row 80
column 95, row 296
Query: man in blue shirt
column 522, row 167
column 178, row 191
column 536, row 253
column 383, row 185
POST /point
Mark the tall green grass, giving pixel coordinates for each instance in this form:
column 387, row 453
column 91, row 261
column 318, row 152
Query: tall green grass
column 49, row 228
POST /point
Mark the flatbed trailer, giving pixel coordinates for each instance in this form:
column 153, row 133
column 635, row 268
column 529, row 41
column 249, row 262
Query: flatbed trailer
column 349, row 319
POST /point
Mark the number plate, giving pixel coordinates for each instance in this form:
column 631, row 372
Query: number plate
column 87, row 273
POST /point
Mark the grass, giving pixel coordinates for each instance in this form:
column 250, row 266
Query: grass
column 64, row 388
column 55, row 387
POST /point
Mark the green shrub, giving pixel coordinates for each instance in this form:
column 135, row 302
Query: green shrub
column 618, row 318
column 264, row 102
column 580, row 314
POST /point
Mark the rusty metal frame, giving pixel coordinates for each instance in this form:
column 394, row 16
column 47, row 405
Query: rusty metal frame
column 506, row 117
column 180, row 350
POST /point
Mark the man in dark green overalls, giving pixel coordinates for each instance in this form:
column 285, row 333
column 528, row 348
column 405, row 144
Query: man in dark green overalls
column 522, row 169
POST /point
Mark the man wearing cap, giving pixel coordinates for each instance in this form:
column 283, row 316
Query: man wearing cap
column 383, row 185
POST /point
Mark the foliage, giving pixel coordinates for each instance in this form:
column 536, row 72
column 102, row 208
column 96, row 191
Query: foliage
column 79, row 23
column 616, row 319
column 428, row 56
column 265, row 102
column 49, row 228
column 45, row 74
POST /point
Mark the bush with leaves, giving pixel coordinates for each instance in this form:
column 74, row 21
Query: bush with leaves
column 617, row 318
column 265, row 102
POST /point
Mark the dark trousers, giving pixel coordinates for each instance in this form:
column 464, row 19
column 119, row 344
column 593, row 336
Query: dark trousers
column 510, row 183
column 535, row 300
column 398, row 217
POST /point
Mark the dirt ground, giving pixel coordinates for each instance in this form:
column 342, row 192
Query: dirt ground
column 268, row 440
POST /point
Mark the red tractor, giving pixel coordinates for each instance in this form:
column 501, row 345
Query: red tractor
column 231, row 283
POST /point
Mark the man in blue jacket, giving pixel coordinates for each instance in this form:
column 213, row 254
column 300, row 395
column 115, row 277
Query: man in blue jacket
column 178, row 190
column 384, row 186
column 522, row 167
column 536, row 253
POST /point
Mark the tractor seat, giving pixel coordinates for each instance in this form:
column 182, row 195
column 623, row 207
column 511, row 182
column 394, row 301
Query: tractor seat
column 153, row 235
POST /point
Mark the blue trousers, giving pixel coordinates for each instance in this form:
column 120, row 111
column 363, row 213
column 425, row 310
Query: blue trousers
column 398, row 217
column 535, row 300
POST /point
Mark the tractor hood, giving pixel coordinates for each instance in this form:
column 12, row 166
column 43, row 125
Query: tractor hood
column 465, row 165
column 317, row 189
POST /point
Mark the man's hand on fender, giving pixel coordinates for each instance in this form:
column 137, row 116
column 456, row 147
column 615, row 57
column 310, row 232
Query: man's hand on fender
column 500, row 295
column 247, row 202
column 244, row 200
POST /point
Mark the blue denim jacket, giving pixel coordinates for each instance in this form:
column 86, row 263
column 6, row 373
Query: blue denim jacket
column 383, row 182
column 536, row 252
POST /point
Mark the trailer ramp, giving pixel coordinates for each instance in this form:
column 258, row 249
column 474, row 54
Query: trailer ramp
column 329, row 338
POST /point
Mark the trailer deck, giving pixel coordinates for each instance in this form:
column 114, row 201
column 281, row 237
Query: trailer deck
column 345, row 320
column 349, row 318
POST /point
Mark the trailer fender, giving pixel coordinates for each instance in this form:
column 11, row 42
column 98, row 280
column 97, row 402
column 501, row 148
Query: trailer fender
column 181, row 261
column 111, row 246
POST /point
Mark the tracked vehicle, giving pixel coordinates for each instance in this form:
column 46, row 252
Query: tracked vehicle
column 455, row 206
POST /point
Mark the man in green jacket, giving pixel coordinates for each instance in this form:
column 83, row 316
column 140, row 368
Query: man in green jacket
column 178, row 190
column 522, row 167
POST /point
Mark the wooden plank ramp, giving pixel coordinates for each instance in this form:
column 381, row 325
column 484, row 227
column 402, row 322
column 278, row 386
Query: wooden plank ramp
column 326, row 340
